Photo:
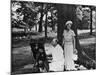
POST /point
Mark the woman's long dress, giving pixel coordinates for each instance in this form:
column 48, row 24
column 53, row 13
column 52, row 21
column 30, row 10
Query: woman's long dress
column 68, row 49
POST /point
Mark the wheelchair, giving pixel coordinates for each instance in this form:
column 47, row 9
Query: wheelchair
column 40, row 58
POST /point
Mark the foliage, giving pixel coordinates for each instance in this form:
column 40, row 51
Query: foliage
column 23, row 13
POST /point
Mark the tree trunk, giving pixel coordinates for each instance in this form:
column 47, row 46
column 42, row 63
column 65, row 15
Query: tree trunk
column 52, row 23
column 41, row 19
column 46, row 26
column 60, row 27
column 91, row 22
column 29, row 29
column 26, row 29
column 65, row 13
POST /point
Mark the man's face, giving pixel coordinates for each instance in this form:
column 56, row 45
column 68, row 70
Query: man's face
column 54, row 42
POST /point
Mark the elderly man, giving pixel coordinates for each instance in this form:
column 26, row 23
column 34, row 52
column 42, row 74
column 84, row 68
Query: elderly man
column 57, row 63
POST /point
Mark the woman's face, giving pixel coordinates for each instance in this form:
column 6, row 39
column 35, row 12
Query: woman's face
column 68, row 26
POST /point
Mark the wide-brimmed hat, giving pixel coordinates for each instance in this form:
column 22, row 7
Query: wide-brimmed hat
column 69, row 22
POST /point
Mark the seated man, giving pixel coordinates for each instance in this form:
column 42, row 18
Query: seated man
column 57, row 63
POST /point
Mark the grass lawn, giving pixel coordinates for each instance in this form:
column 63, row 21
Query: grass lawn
column 21, row 52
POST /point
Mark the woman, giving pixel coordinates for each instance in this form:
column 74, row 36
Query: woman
column 69, row 46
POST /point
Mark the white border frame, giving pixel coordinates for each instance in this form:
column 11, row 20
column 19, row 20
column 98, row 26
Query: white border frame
column 5, row 38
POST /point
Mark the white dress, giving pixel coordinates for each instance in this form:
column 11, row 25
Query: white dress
column 57, row 63
column 68, row 49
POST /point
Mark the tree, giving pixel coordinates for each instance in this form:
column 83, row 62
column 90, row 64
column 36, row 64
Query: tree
column 65, row 13
column 23, row 15
column 47, row 7
column 28, row 9
column 92, row 8
column 42, row 10
column 41, row 17
column 46, row 22
column 91, row 21
column 52, row 17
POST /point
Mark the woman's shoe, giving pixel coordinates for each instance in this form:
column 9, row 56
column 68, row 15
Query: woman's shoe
column 75, row 69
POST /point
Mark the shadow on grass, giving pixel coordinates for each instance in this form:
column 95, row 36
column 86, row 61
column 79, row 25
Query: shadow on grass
column 21, row 57
column 19, row 60
column 90, row 50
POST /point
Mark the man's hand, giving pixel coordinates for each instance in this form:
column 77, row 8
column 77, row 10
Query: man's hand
column 75, row 51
